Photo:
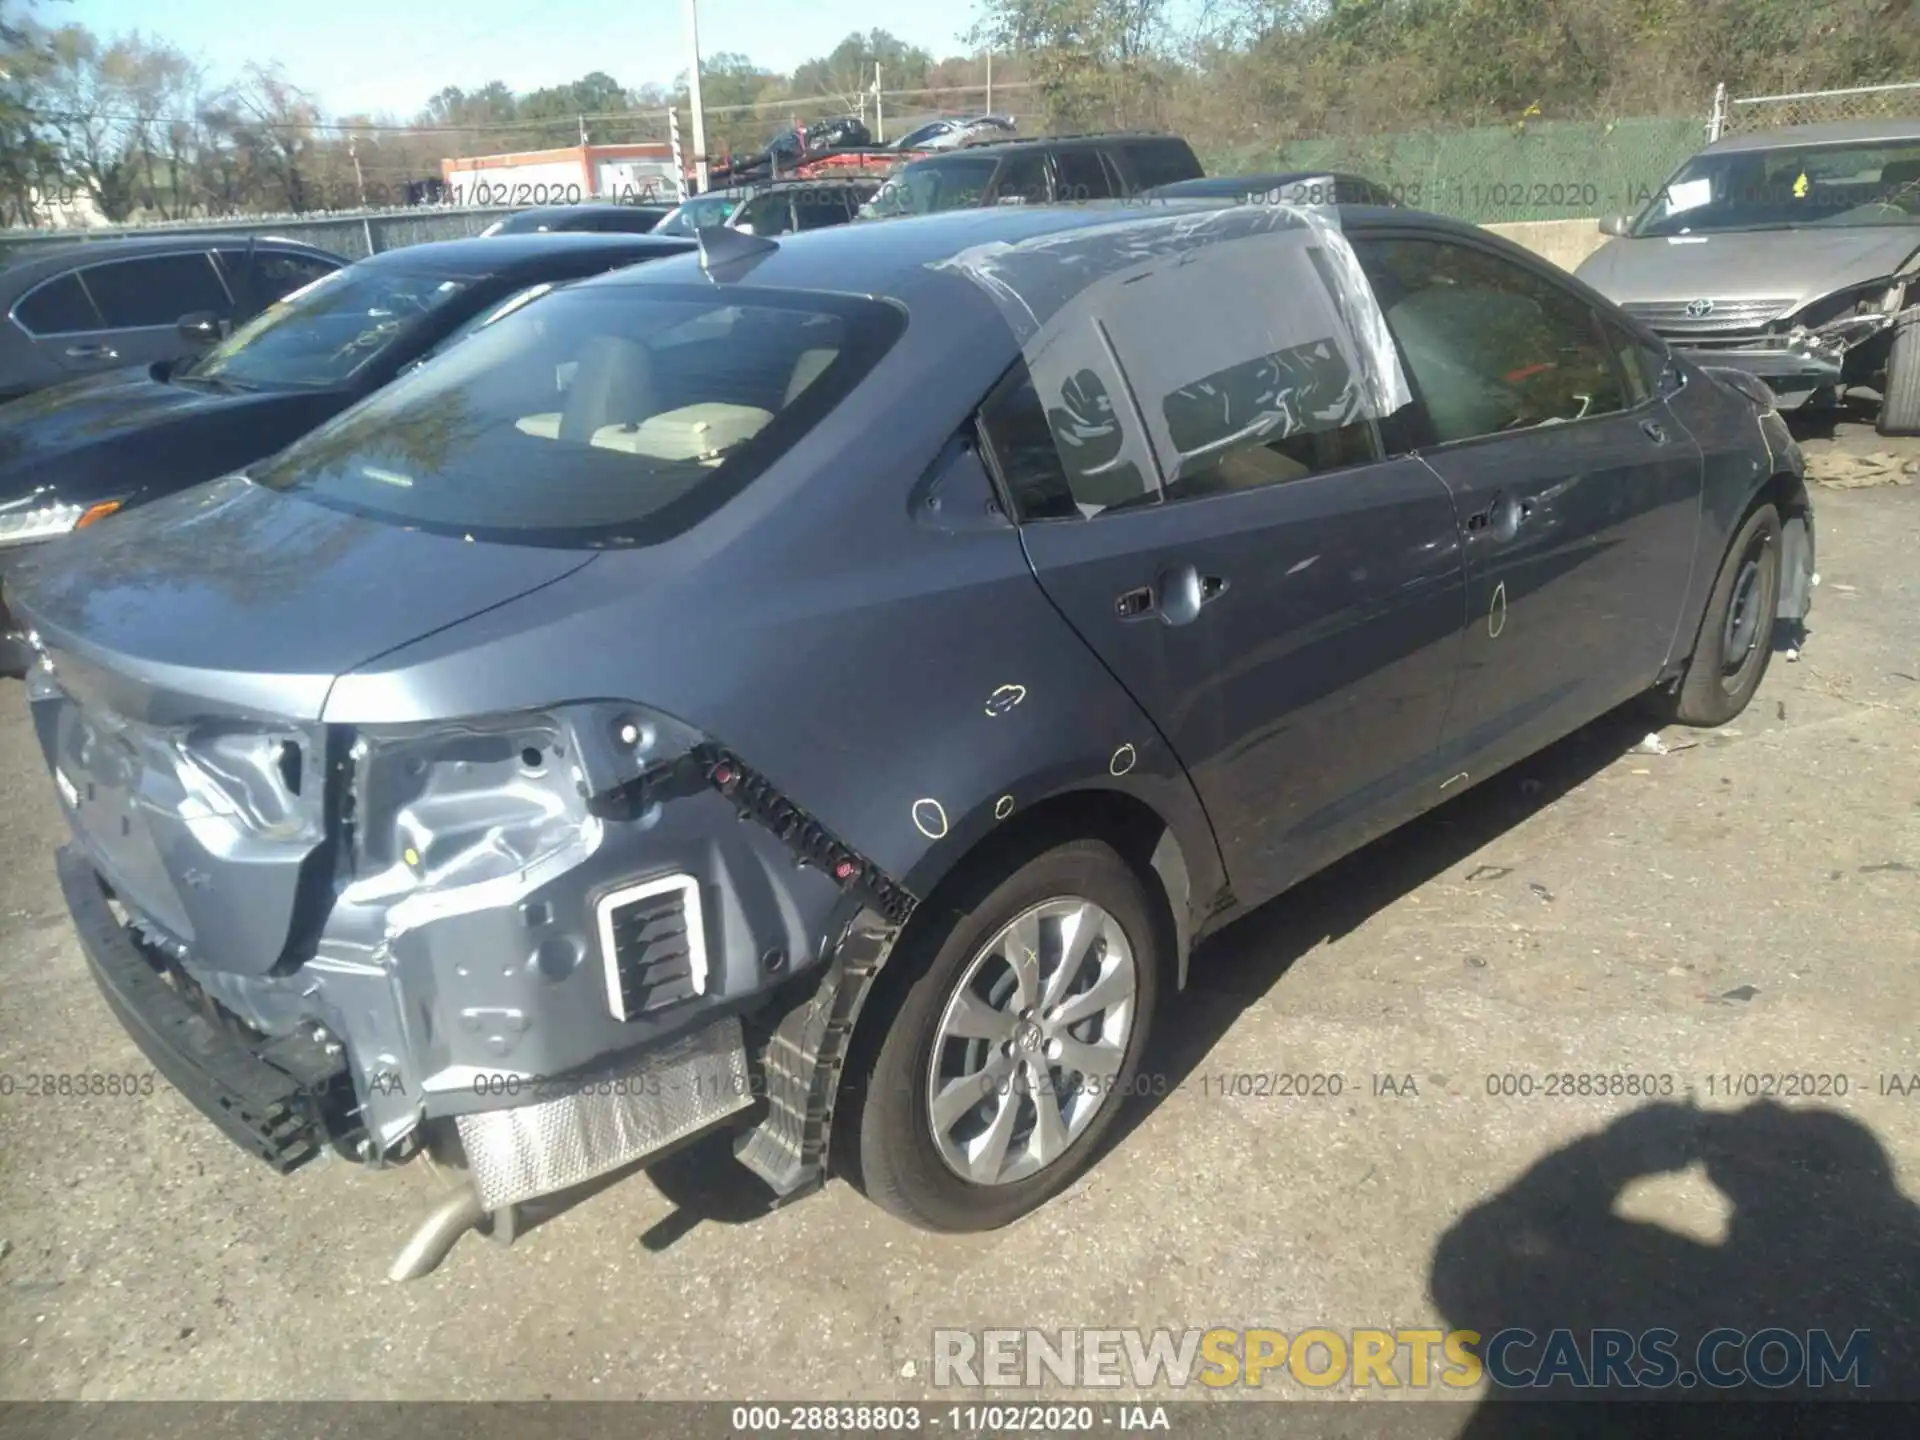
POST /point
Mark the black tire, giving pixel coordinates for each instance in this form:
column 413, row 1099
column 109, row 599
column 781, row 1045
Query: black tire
column 1900, row 405
column 1718, row 684
column 900, row 1165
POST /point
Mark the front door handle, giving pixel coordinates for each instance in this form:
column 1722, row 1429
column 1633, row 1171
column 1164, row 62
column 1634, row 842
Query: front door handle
column 92, row 352
column 1656, row 432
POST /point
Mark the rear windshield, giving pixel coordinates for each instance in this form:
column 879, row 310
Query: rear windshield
column 323, row 333
column 598, row 417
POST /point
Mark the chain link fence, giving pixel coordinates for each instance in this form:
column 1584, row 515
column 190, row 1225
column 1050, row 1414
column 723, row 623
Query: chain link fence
column 354, row 234
column 1746, row 113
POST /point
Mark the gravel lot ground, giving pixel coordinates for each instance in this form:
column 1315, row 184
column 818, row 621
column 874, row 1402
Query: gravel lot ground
column 1748, row 905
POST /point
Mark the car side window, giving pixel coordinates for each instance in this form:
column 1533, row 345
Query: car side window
column 156, row 290
column 1243, row 379
column 1063, row 444
column 1156, row 162
column 59, row 307
column 1188, row 376
column 818, row 209
column 1488, row 345
column 770, row 214
column 1022, row 179
column 276, row 273
column 1640, row 364
column 1079, row 175
column 1023, row 449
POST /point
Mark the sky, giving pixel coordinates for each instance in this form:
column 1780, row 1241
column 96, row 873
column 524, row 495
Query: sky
column 381, row 56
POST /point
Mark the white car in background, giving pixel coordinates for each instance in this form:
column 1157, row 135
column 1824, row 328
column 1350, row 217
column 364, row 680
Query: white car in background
column 951, row 133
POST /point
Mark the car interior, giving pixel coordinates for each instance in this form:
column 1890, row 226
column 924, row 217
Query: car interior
column 675, row 399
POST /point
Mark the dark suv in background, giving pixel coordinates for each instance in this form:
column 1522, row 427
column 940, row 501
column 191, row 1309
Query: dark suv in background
column 1041, row 171
column 77, row 309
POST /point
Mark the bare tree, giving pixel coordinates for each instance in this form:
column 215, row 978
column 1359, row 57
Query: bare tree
column 265, row 125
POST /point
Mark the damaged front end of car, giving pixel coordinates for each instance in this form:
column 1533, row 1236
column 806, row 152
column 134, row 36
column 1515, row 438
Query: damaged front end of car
column 545, row 946
column 1837, row 342
column 1848, row 333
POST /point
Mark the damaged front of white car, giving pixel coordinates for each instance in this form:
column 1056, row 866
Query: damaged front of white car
column 1793, row 255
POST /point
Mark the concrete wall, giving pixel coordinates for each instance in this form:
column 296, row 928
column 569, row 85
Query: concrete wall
column 1565, row 242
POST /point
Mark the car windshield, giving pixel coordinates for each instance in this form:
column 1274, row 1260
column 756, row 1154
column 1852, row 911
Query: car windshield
column 599, row 417
column 1860, row 183
column 953, row 182
column 702, row 210
column 322, row 334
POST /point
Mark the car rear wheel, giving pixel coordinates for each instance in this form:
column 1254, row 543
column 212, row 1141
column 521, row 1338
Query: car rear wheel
column 1009, row 1055
column 1900, row 405
column 1736, row 634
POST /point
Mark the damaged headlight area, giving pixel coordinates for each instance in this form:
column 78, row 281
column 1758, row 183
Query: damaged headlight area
column 1830, row 329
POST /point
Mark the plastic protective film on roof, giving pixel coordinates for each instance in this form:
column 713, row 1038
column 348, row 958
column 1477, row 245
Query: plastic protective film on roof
column 1157, row 344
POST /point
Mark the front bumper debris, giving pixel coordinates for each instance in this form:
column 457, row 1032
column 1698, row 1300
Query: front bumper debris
column 1793, row 373
column 1798, row 361
column 274, row 1099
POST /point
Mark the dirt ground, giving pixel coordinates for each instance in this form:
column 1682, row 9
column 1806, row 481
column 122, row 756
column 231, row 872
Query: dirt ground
column 1746, row 904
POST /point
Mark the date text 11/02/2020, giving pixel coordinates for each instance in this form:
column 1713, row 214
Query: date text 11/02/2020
column 1007, row 1419
column 507, row 192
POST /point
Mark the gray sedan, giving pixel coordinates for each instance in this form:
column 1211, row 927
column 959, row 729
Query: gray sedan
column 826, row 686
column 1792, row 254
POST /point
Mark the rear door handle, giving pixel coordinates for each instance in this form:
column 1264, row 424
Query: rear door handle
column 1176, row 598
column 1656, row 432
column 1502, row 517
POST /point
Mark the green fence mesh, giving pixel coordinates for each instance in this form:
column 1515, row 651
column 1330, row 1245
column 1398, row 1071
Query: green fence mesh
column 1534, row 170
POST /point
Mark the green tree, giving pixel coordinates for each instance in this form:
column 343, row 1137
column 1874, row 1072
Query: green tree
column 29, row 167
column 846, row 71
column 1092, row 60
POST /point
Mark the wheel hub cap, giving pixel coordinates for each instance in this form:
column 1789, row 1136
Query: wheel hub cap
column 1030, row 1041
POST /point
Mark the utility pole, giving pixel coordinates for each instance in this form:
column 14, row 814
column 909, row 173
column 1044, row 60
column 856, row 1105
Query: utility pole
column 693, row 95
column 359, row 180
column 879, row 109
column 989, row 81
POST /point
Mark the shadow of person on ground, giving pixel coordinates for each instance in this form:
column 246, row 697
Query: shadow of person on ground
column 1819, row 1240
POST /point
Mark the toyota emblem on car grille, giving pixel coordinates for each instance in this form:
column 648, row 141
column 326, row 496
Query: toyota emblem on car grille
column 1699, row 309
